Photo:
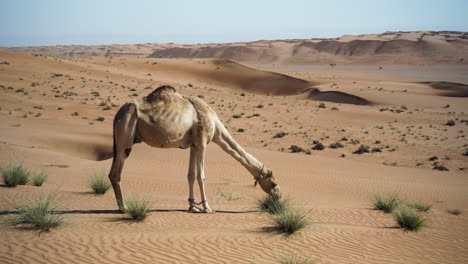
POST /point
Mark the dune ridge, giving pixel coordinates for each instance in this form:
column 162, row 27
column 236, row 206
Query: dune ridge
column 389, row 48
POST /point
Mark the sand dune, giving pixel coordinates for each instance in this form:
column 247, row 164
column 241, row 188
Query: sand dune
column 49, row 112
column 389, row 48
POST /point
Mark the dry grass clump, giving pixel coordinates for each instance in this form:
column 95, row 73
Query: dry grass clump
column 39, row 215
column 408, row 219
column 420, row 206
column 38, row 179
column 137, row 209
column 14, row 174
column 290, row 221
column 386, row 204
column 227, row 196
column 99, row 183
column 293, row 260
column 272, row 205
column 454, row 211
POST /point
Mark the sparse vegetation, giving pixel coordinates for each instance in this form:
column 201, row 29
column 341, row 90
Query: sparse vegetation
column 38, row 179
column 137, row 209
column 99, row 183
column 421, row 206
column 454, row 211
column 39, row 215
column 293, row 260
column 63, row 166
column 386, row 204
column 296, row 148
column 272, row 204
column 14, row 174
column 227, row 196
column 408, row 219
column 362, row 149
column 290, row 221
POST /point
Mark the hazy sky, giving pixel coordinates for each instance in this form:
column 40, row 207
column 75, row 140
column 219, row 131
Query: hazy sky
column 66, row 22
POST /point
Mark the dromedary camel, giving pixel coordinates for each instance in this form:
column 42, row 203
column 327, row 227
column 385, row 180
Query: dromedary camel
column 167, row 119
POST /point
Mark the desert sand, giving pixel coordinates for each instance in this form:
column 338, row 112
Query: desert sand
column 388, row 48
column 48, row 121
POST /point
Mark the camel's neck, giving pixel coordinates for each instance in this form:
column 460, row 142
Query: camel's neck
column 228, row 144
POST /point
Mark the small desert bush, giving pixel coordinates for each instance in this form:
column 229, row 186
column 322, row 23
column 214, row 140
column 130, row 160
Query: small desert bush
column 272, row 205
column 386, row 204
column 290, row 221
column 293, row 260
column 14, row 174
column 408, row 219
column 38, row 179
column 39, row 215
column 227, row 196
column 137, row 209
column 454, row 211
column 99, row 183
column 421, row 206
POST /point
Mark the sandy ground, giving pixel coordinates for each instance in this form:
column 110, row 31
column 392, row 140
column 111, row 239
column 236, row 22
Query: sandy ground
column 404, row 118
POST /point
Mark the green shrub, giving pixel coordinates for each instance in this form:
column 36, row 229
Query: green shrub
column 420, row 206
column 38, row 179
column 137, row 209
column 386, row 204
column 39, row 215
column 14, row 174
column 290, row 221
column 99, row 183
column 454, row 211
column 408, row 219
column 272, row 205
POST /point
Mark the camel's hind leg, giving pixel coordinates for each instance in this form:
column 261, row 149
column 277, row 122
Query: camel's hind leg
column 124, row 136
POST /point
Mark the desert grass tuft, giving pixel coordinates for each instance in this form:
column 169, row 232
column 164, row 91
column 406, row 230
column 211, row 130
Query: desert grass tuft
column 227, row 196
column 137, row 209
column 39, row 215
column 386, row 204
column 99, row 183
column 38, row 179
column 408, row 219
column 290, row 221
column 454, row 211
column 420, row 206
column 14, row 174
column 272, row 205
column 293, row 260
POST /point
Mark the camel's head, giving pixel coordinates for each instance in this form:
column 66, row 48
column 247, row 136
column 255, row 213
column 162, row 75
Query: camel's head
column 268, row 183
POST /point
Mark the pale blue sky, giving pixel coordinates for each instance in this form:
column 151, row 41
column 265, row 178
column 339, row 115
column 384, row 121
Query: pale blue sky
column 62, row 22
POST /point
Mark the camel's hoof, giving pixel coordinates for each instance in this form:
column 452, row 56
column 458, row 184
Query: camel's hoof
column 122, row 210
column 208, row 211
column 193, row 209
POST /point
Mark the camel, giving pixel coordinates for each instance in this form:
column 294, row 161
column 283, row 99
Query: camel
column 167, row 119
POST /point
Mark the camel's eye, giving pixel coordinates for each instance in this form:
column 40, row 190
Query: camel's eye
column 274, row 185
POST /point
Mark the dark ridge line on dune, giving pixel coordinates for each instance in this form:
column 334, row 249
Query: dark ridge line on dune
column 313, row 93
column 451, row 89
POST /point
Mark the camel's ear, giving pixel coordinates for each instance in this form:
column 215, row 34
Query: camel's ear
column 269, row 173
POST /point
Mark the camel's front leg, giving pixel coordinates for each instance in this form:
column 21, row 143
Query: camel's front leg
column 200, row 158
column 191, row 180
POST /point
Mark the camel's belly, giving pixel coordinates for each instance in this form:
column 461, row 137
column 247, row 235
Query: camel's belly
column 168, row 130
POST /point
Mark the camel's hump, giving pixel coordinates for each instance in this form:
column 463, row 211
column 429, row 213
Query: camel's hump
column 161, row 93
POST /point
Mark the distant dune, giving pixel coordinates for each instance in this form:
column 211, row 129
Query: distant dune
column 389, row 48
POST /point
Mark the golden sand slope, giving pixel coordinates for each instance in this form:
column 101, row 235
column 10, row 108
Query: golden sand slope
column 334, row 191
column 399, row 48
